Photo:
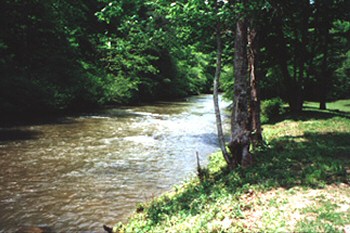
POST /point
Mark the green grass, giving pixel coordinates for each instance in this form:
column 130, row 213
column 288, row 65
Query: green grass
column 324, row 215
column 299, row 183
column 339, row 105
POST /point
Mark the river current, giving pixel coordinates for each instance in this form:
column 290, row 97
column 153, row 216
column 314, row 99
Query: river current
column 77, row 173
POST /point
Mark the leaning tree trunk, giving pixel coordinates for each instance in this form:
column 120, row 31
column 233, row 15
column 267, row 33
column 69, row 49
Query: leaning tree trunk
column 216, row 95
column 256, row 135
column 240, row 130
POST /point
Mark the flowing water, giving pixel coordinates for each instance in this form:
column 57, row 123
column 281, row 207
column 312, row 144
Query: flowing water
column 77, row 173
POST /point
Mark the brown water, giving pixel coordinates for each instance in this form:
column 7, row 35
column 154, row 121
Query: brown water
column 81, row 172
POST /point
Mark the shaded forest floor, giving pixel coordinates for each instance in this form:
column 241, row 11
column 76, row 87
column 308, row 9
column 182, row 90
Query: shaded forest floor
column 299, row 183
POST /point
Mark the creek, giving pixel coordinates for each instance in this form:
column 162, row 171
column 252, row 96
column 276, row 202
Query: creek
column 77, row 173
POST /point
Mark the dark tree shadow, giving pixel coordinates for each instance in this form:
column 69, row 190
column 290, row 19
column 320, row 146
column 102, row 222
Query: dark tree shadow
column 310, row 113
column 9, row 121
column 17, row 134
column 311, row 160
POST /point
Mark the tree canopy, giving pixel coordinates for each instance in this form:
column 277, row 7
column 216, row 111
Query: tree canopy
column 59, row 55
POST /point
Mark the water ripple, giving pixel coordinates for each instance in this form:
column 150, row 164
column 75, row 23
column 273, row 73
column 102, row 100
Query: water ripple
column 94, row 169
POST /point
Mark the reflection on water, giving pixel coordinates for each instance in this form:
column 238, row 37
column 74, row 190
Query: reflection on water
column 94, row 169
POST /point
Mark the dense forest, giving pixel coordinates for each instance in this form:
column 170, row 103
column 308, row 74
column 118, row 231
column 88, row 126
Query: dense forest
column 59, row 55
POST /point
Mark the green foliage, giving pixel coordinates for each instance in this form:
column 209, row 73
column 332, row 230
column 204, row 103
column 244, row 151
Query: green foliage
column 342, row 82
column 289, row 69
column 271, row 109
column 129, row 65
column 111, row 10
column 46, row 57
column 64, row 55
column 192, row 66
column 59, row 55
column 271, row 85
column 142, row 53
column 226, row 81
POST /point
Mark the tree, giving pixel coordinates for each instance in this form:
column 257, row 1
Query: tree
column 253, row 50
column 151, row 50
column 240, row 128
column 289, row 48
column 48, row 56
column 216, row 82
column 303, row 47
column 326, row 47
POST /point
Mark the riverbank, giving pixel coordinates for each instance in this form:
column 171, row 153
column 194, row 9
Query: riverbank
column 300, row 182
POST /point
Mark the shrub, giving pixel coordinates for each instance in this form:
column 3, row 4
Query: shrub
column 271, row 109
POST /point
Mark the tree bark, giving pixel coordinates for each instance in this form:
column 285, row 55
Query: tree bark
column 324, row 77
column 256, row 135
column 221, row 137
column 325, row 74
column 302, row 56
column 240, row 129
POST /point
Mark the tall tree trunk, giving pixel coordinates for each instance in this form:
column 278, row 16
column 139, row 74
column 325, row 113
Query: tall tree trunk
column 325, row 75
column 303, row 52
column 282, row 60
column 240, row 128
column 221, row 137
column 299, row 63
column 293, row 89
column 256, row 136
column 323, row 23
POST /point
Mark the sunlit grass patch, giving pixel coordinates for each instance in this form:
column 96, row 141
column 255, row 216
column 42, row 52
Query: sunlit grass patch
column 339, row 105
column 330, row 211
column 301, row 210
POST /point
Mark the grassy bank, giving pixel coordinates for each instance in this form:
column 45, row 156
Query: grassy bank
column 299, row 183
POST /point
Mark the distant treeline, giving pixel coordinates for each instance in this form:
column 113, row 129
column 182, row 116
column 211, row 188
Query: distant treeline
column 67, row 55
column 58, row 55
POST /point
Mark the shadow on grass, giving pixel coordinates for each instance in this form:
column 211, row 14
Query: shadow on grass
column 310, row 113
column 313, row 160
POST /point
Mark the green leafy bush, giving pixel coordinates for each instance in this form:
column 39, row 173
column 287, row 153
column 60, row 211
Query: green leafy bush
column 227, row 82
column 271, row 109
